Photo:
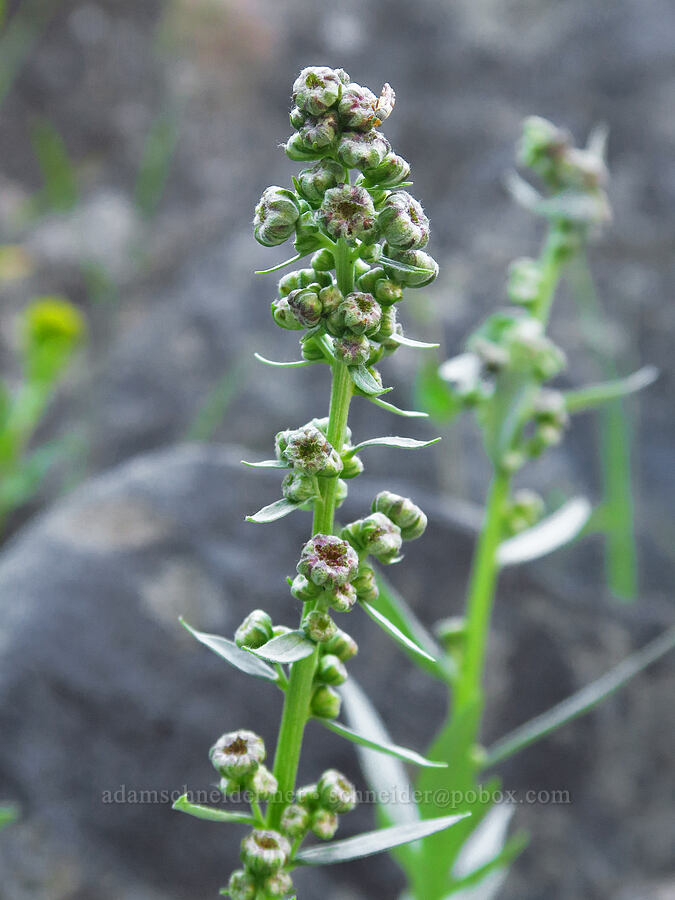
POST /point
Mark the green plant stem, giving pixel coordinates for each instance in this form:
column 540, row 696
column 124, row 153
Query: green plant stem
column 551, row 265
column 301, row 679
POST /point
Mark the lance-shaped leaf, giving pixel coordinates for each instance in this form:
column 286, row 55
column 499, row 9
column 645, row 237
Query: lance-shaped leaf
column 373, row 842
column 399, row 266
column 403, row 753
column 402, row 443
column 394, row 632
column 273, row 511
column 285, row 648
column 406, row 413
column 365, row 382
column 212, row 814
column 552, row 532
column 265, row 464
column 596, row 394
column 581, row 702
column 404, row 341
column 281, row 265
column 294, row 364
column 229, row 651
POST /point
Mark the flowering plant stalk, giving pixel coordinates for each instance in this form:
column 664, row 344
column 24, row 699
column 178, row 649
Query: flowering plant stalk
column 366, row 235
column 51, row 330
column 503, row 377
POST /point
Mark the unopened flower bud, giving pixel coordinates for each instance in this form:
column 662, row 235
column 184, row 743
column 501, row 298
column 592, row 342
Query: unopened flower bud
column 387, row 291
column 255, row 630
column 530, row 350
column 331, row 670
column 336, row 793
column 264, row 851
column 277, row 885
column 360, row 313
column 298, row 151
column 325, row 702
column 284, row 316
column 318, row 626
column 275, row 216
column 262, row 784
column 402, row 222
column 323, row 261
column 351, row 466
column 375, row 535
column 313, row 183
column 297, row 117
column 524, row 511
column 299, row 487
column 352, row 349
column 289, row 282
column 331, row 297
column 316, row 89
column 387, row 324
column 306, row 306
column 242, row 886
column 342, row 645
column 389, row 345
column 524, row 281
column 362, row 150
column 368, row 281
column 237, row 754
column 550, row 409
column 392, row 171
column 318, row 133
column 365, row 584
column 324, row 824
column 417, row 258
column 308, row 451
column 341, row 598
column 307, row 796
column 312, row 350
column 541, row 148
column 402, row 512
column 347, row 211
column 295, row 821
column 304, row 590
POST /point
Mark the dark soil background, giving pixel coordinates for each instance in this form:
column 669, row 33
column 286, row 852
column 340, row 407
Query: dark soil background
column 99, row 688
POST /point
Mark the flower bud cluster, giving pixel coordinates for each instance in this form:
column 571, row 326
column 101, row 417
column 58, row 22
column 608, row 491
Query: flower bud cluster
column 317, row 807
column 308, row 454
column 265, row 854
column 525, row 509
column 237, row 757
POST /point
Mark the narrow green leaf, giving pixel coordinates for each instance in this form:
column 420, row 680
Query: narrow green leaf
column 211, row 814
column 282, row 265
column 373, row 842
column 273, row 511
column 402, row 443
column 381, row 747
column 286, row 648
column 395, row 632
column 550, row 534
column 581, row 702
column 229, row 651
column 398, row 266
column 597, row 394
column 294, row 364
column 495, row 868
column 327, row 345
column 364, row 381
column 265, row 464
column 409, row 342
column 406, row 413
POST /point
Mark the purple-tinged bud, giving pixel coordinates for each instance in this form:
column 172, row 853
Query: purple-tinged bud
column 347, row 211
column 308, row 450
column 331, row 298
column 365, row 584
column 357, row 107
column 352, row 349
column 275, row 216
column 387, row 324
column 323, row 261
column 375, row 535
column 237, row 754
column 318, row 626
column 331, row 670
column 298, row 151
column 362, row 150
column 295, row 820
column 242, row 886
column 403, row 223
column 336, row 793
column 417, row 258
column 342, row 645
column 316, row 89
column 360, row 313
column 319, row 133
column 324, row 824
column 392, row 171
column 524, row 281
column 262, row 784
column 313, row 183
column 341, row 598
column 297, row 117
column 299, row 487
column 325, row 702
column 351, row 466
column 255, row 630
column 284, row 316
column 306, row 306
column 264, row 851
column 277, row 885
column 402, row 512
column 304, row 590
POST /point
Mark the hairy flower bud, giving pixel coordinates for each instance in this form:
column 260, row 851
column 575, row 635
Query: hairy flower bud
column 357, row 107
column 387, row 324
column 402, row 222
column 375, row 535
column 297, row 150
column 262, row 784
column 297, row 117
column 391, row 171
column 347, row 211
column 324, row 824
column 325, row 702
column 351, row 466
column 341, row 598
column 255, row 630
column 299, row 487
column 313, row 183
column 308, row 451
column 284, row 316
column 305, row 306
column 369, row 279
column 318, row 133
column 323, row 261
column 307, row 796
column 237, row 754
column 402, row 512
column 279, row 884
column 336, row 793
column 342, row 645
column 360, row 313
column 316, row 89
column 275, row 216
column 365, row 583
column 242, row 886
column 264, row 851
column 417, row 258
column 362, row 150
column 331, row 670
column 331, row 297
column 524, row 281
column 295, row 821
column 304, row 590
column 352, row 349
column 387, row 292
column 318, row 626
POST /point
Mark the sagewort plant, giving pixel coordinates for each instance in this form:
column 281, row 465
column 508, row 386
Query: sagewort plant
column 366, row 236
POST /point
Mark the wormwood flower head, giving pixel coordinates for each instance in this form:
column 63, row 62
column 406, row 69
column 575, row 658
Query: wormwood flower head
column 327, row 560
column 255, row 630
column 305, row 305
column 318, row 626
column 295, row 820
column 403, row 223
column 357, row 107
column 391, row 171
column 376, row 535
column 242, row 885
column 402, row 512
column 304, row 590
column 313, row 183
column 298, row 487
column 524, row 281
column 284, row 316
column 317, row 88
column 341, row 598
column 325, row 702
column 424, row 265
column 320, row 132
column 353, row 349
column 342, row 645
column 262, row 783
column 360, row 313
column 275, row 216
column 362, row 150
column 324, row 824
column 365, row 584
column 264, row 851
column 336, row 793
column 331, row 669
column 308, row 450
column 279, row 884
column 348, row 211
column 237, row 753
